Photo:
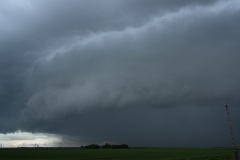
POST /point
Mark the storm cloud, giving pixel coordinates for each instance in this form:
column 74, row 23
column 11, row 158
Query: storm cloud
column 147, row 73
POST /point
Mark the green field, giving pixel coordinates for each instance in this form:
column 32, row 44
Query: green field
column 113, row 154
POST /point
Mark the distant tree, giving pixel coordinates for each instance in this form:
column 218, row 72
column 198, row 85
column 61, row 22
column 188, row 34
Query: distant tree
column 91, row 146
column 106, row 146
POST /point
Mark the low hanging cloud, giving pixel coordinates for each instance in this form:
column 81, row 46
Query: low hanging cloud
column 182, row 58
column 135, row 72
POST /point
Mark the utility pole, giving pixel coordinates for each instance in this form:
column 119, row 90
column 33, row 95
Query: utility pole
column 235, row 153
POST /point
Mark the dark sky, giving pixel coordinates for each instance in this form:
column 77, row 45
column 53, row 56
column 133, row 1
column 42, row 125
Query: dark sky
column 143, row 72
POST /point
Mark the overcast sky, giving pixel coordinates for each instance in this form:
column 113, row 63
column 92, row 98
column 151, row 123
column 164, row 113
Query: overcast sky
column 154, row 73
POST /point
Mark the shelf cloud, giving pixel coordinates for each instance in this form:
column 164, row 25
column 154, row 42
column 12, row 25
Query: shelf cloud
column 112, row 71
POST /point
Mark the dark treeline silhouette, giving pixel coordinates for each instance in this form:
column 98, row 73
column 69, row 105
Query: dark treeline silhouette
column 105, row 146
column 91, row 146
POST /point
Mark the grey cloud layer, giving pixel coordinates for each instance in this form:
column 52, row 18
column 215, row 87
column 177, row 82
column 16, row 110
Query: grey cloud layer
column 61, row 65
column 167, row 62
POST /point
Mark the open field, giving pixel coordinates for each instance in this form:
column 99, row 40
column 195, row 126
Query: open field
column 113, row 154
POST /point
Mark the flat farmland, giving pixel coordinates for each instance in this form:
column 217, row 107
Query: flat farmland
column 114, row 154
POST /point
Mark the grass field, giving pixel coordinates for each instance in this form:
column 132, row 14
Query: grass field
column 113, row 154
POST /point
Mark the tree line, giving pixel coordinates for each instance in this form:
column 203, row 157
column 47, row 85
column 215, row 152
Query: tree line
column 105, row 146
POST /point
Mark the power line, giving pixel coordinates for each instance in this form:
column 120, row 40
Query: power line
column 235, row 152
